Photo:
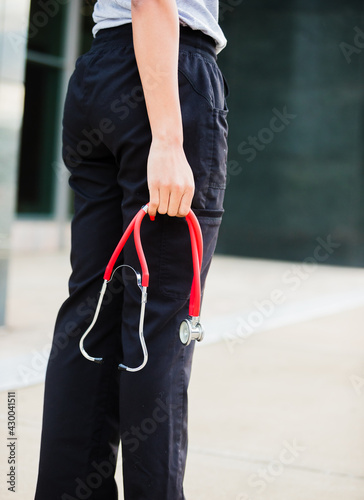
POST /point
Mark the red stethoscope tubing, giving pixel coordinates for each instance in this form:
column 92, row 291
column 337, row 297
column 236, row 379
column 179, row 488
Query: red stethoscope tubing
column 196, row 247
column 139, row 248
column 197, row 251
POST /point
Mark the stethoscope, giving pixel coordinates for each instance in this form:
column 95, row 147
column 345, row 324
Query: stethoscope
column 190, row 328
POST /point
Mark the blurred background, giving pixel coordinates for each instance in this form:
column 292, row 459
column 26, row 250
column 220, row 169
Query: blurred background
column 294, row 195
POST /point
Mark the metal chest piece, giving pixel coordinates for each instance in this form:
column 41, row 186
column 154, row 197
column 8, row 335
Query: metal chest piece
column 191, row 329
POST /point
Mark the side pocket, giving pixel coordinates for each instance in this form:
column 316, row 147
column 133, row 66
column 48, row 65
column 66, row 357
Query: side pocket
column 220, row 150
column 210, row 221
column 176, row 270
column 214, row 195
column 205, row 127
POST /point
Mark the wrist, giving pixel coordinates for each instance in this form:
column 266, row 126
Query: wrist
column 167, row 138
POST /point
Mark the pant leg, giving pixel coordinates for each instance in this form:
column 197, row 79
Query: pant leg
column 80, row 431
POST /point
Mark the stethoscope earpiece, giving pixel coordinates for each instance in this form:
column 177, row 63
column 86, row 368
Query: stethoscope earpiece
column 191, row 328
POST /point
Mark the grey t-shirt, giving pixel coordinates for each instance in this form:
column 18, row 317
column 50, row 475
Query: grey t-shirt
column 197, row 14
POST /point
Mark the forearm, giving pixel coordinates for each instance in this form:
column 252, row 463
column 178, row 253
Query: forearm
column 156, row 43
column 156, row 46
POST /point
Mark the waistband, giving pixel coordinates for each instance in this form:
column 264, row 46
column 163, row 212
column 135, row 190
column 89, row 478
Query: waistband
column 189, row 38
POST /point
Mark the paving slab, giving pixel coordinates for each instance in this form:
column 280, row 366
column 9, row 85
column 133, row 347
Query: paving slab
column 285, row 406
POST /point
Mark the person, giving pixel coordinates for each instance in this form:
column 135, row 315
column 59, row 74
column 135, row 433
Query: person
column 145, row 120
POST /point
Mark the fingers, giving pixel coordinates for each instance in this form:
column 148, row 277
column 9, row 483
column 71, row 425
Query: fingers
column 175, row 202
column 185, row 203
column 170, row 181
column 153, row 201
column 164, row 194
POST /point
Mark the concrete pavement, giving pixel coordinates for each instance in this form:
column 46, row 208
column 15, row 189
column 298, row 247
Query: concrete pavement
column 277, row 390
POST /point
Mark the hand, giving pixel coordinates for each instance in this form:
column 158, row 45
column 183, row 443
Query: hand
column 170, row 179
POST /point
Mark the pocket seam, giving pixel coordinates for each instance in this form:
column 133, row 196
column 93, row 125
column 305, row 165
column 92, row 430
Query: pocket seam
column 208, row 100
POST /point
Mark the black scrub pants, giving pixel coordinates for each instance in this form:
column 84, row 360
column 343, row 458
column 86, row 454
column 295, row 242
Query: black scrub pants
column 89, row 408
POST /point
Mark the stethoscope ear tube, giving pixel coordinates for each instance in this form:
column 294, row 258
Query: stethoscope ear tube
column 134, row 225
column 191, row 328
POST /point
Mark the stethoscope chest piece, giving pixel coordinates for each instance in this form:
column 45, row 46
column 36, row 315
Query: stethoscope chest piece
column 191, row 329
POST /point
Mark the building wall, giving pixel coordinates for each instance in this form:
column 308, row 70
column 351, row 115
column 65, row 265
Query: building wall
column 12, row 53
column 296, row 178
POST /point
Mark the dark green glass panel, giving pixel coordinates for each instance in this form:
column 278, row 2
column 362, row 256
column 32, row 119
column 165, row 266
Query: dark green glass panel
column 37, row 159
column 295, row 145
column 46, row 26
column 86, row 27
column 44, row 73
